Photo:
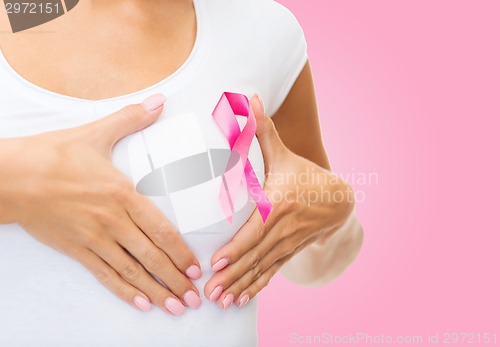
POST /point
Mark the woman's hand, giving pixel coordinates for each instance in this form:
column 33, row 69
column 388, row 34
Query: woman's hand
column 309, row 204
column 62, row 188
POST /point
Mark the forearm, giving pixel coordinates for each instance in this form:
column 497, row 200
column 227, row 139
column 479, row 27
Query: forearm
column 321, row 262
column 5, row 184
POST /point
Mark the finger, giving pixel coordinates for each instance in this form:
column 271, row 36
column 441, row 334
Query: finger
column 163, row 234
column 282, row 239
column 249, row 235
column 266, row 132
column 108, row 130
column 283, row 250
column 239, row 275
column 231, row 295
column 156, row 262
column 133, row 273
column 262, row 282
column 110, row 279
column 225, row 277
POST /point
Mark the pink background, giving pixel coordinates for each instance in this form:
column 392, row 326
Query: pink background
column 408, row 91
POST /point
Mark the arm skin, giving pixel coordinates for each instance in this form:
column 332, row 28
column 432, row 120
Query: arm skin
column 324, row 260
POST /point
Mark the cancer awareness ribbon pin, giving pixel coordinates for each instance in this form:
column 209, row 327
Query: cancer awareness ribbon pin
column 224, row 114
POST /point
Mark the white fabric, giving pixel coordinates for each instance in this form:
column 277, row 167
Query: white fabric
column 46, row 298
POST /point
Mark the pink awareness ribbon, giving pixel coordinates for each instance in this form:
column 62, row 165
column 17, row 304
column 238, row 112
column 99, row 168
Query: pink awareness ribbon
column 230, row 105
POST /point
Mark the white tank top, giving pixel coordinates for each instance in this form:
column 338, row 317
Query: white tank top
column 48, row 299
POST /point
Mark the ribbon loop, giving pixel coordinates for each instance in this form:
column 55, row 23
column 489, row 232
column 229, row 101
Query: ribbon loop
column 224, row 114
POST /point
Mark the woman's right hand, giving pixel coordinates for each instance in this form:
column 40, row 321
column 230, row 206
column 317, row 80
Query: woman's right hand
column 63, row 189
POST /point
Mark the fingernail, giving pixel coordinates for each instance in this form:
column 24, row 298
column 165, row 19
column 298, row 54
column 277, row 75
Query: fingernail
column 216, row 293
column 228, row 300
column 154, row 102
column 192, row 299
column 244, row 299
column 174, row 306
column 222, row 263
column 141, row 303
column 193, row 272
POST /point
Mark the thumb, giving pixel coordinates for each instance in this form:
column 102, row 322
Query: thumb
column 128, row 120
column 266, row 133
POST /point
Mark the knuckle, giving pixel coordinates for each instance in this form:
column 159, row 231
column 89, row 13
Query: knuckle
column 154, row 259
column 254, row 259
column 131, row 271
column 164, row 234
column 119, row 189
column 92, row 238
column 135, row 205
column 104, row 220
column 260, row 230
column 257, row 272
column 104, row 276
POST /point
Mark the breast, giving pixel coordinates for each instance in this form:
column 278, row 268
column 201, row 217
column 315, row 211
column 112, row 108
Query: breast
column 174, row 163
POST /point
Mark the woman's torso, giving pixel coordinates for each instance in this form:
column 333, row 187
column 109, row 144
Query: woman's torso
column 49, row 299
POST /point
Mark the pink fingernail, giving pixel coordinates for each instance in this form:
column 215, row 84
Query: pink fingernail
column 216, row 293
column 141, row 303
column 174, row 306
column 192, row 299
column 244, row 299
column 154, row 102
column 219, row 265
column 228, row 300
column 193, row 272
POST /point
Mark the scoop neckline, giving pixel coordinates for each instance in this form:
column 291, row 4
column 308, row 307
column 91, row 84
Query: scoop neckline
column 176, row 75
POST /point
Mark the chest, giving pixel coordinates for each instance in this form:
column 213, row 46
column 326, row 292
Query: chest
column 90, row 68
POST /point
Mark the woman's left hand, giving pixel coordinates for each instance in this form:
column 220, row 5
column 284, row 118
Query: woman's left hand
column 309, row 204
